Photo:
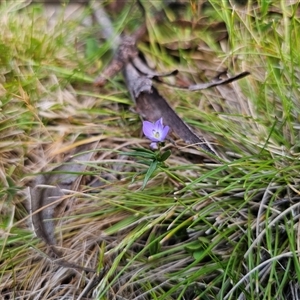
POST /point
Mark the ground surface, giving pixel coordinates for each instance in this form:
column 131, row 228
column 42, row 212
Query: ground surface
column 200, row 227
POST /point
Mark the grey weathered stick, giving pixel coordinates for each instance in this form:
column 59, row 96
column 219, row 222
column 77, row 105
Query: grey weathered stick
column 217, row 82
column 152, row 106
column 201, row 86
column 149, row 103
column 145, row 70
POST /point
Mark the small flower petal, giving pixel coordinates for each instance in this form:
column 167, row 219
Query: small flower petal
column 164, row 133
column 159, row 124
column 154, row 146
column 148, row 129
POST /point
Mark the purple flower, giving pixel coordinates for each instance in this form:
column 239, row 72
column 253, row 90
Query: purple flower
column 155, row 132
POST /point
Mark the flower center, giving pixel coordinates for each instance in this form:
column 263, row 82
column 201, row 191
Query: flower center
column 156, row 133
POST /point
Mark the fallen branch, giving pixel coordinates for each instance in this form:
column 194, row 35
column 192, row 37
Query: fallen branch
column 139, row 80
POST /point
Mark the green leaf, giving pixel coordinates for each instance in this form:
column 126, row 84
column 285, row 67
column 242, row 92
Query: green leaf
column 142, row 150
column 150, row 171
column 165, row 155
column 198, row 255
column 140, row 154
column 153, row 244
column 144, row 162
column 194, row 246
column 92, row 48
